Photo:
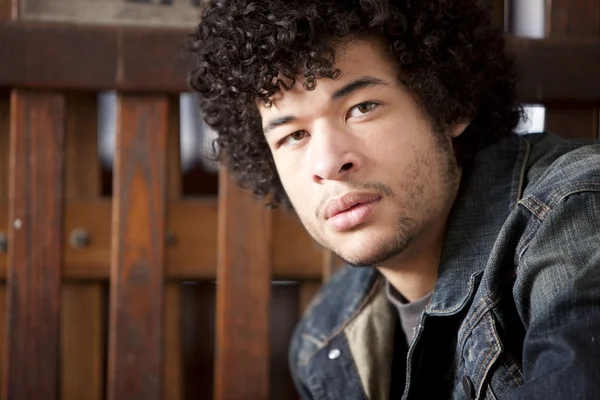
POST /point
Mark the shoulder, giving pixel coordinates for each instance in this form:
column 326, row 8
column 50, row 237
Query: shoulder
column 559, row 167
column 334, row 305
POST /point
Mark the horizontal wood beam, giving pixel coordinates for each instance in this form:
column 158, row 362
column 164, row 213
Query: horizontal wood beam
column 85, row 57
column 558, row 70
column 191, row 242
column 93, row 58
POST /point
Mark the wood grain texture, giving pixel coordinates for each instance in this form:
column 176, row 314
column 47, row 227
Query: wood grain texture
column 2, row 339
column 4, row 144
column 108, row 57
column 82, row 341
column 193, row 255
column 574, row 19
column 34, row 260
column 138, row 225
column 243, row 295
column 159, row 13
column 4, row 151
column 83, row 328
column 173, row 371
column 157, row 60
column 173, row 376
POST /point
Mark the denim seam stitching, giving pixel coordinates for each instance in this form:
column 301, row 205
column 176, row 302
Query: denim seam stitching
column 327, row 340
column 493, row 351
column 486, row 304
column 515, row 378
column 595, row 187
column 522, row 173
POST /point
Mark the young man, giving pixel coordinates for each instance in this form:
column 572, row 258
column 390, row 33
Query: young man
column 474, row 253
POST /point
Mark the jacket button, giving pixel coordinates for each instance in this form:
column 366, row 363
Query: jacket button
column 468, row 387
column 335, row 353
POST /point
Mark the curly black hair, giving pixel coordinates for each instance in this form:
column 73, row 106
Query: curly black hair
column 448, row 55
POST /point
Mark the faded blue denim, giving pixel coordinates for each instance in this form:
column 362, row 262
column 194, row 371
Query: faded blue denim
column 516, row 310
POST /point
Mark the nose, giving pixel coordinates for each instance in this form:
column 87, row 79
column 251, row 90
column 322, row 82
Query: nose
column 333, row 154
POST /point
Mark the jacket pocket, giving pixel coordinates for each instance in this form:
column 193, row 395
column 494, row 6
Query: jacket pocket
column 488, row 371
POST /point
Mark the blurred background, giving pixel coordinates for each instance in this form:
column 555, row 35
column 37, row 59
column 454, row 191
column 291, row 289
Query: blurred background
column 130, row 266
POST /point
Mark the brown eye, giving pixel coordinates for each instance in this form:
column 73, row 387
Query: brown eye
column 365, row 107
column 293, row 138
column 362, row 109
column 298, row 135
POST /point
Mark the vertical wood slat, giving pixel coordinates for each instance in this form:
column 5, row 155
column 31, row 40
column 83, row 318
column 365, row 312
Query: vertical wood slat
column 4, row 152
column 34, row 260
column 5, row 10
column 4, row 143
column 136, row 282
column 307, row 292
column 173, row 374
column 2, row 338
column 243, row 295
column 82, row 307
column 579, row 18
column 331, row 264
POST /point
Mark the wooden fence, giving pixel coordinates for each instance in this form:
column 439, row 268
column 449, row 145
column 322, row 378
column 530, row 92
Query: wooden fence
column 143, row 282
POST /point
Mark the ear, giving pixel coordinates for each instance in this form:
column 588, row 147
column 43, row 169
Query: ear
column 458, row 129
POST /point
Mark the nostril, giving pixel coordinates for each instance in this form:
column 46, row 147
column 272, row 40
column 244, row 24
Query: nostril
column 346, row 167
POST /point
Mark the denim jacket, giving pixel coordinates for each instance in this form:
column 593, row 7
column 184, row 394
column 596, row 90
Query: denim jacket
column 515, row 313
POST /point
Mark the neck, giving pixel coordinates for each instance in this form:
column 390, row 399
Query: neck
column 416, row 276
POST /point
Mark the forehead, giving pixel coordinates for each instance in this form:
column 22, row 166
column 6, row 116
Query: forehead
column 356, row 58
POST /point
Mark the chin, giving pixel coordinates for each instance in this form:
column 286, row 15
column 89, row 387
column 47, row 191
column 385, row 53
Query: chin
column 368, row 252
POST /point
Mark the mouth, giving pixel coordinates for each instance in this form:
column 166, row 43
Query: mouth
column 350, row 211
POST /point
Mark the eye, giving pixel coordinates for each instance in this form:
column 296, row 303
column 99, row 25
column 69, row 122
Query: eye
column 293, row 138
column 362, row 109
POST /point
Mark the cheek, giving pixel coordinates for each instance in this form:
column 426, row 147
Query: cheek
column 290, row 175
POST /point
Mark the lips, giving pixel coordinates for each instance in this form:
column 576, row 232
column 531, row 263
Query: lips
column 350, row 210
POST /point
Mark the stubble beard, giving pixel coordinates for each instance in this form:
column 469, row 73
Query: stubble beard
column 408, row 228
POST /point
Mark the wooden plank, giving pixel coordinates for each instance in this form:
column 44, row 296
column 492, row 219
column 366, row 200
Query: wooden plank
column 28, row 45
column 5, row 10
column 134, row 59
column 82, row 341
column 555, row 70
column 193, row 255
column 2, row 339
column 574, row 19
column 4, row 146
column 82, row 308
column 136, row 282
column 572, row 122
column 243, row 295
column 34, row 259
column 549, row 71
column 173, row 376
column 180, row 13
column 307, row 292
column 331, row 264
column 498, row 17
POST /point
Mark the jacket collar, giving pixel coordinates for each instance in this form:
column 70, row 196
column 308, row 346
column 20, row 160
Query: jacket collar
column 490, row 189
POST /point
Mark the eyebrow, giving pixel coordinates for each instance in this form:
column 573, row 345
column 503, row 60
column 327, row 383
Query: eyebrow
column 345, row 91
column 357, row 84
column 278, row 122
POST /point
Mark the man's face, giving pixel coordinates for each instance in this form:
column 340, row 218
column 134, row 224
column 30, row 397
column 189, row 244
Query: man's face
column 359, row 161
